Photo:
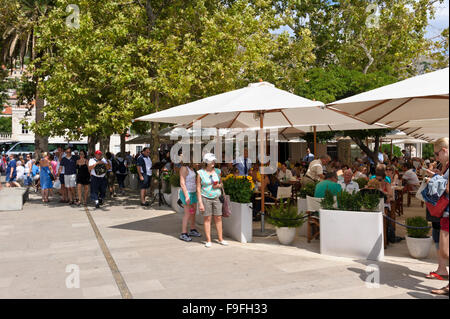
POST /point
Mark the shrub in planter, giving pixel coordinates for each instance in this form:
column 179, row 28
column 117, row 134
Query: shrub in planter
column 371, row 202
column 417, row 221
column 362, row 182
column 351, row 201
column 133, row 169
column 239, row 188
column 307, row 190
column 175, row 180
column 285, row 215
column 328, row 200
column 166, row 178
column 418, row 240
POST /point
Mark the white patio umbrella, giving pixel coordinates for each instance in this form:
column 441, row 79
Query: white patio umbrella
column 258, row 105
column 424, row 97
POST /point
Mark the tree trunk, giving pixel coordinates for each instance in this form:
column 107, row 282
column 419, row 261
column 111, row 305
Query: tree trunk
column 122, row 143
column 40, row 142
column 365, row 149
column 104, row 144
column 92, row 141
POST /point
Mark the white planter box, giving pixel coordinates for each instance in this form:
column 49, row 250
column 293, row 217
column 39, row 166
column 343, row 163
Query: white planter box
column 301, row 207
column 13, row 198
column 168, row 198
column 239, row 226
column 174, row 198
column 133, row 181
column 286, row 235
column 352, row 234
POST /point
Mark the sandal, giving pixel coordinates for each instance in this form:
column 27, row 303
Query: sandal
column 441, row 292
column 434, row 275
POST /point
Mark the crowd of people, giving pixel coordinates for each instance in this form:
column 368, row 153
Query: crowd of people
column 77, row 174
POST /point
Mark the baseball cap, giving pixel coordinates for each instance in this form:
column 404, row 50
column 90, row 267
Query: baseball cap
column 98, row 153
column 209, row 157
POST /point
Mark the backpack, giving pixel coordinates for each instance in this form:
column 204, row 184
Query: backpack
column 121, row 167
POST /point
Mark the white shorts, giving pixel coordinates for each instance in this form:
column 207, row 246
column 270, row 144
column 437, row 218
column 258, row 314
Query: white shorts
column 70, row 180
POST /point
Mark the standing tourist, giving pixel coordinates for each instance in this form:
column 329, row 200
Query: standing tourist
column 20, row 173
column 11, row 172
column 208, row 193
column 98, row 166
column 188, row 196
column 46, row 177
column 144, row 169
column 59, row 155
column 69, row 164
column 28, row 167
column 83, row 178
column 243, row 164
column 309, row 156
column 121, row 172
column 441, row 151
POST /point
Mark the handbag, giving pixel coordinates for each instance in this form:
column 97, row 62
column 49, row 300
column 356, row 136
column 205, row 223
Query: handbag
column 226, row 205
column 421, row 188
column 441, row 205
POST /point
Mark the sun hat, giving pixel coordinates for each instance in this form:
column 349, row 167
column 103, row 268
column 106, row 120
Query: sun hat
column 209, row 157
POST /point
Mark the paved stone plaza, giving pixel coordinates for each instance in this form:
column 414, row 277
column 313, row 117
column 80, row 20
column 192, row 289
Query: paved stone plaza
column 38, row 243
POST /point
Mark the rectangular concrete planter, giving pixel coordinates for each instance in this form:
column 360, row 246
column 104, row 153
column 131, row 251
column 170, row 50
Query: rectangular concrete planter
column 12, row 199
column 301, row 207
column 352, row 234
column 239, row 226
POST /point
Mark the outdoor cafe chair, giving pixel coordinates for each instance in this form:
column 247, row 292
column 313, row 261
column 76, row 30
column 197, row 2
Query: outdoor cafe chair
column 313, row 204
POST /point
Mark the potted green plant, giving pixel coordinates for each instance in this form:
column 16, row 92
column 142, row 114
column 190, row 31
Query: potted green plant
column 348, row 231
column 418, row 240
column 133, row 177
column 362, row 182
column 285, row 218
column 239, row 225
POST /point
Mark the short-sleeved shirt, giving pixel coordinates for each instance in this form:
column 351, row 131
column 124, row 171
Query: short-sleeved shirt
column 411, row 177
column 334, row 188
column 145, row 163
column 315, row 169
column 350, row 187
column 207, row 181
column 12, row 165
column 70, row 165
column 92, row 161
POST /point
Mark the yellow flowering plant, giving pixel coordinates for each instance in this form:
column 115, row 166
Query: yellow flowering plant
column 240, row 188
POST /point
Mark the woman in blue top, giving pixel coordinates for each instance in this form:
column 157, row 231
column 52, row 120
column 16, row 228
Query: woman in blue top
column 46, row 181
column 11, row 172
column 208, row 193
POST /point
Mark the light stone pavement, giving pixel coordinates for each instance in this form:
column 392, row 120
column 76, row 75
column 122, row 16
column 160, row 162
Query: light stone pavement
column 38, row 243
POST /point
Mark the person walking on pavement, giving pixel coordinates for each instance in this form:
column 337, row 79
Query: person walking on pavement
column 98, row 166
column 144, row 169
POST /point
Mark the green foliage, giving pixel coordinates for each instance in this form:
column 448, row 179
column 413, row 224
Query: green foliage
column 6, row 124
column 349, row 202
column 427, row 151
column 285, row 215
column 307, row 190
column 322, row 137
column 133, row 169
column 166, row 178
column 239, row 188
column 386, row 148
column 328, row 200
column 371, row 202
column 362, row 182
column 175, row 180
column 417, row 221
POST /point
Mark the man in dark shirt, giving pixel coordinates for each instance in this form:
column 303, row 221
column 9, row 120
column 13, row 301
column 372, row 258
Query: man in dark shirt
column 70, row 173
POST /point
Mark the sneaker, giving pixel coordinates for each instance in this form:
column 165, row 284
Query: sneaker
column 145, row 204
column 223, row 243
column 97, row 204
column 194, row 233
column 208, row 245
column 185, row 237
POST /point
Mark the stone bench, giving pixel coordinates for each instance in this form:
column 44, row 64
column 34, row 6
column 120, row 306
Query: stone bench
column 12, row 198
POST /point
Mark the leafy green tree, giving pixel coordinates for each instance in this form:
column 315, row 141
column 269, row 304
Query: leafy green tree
column 386, row 148
column 5, row 124
column 427, row 151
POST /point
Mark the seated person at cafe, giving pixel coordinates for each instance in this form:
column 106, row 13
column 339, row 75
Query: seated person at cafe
column 347, row 184
column 361, row 172
column 315, row 170
column 298, row 170
column 329, row 183
column 391, row 172
column 412, row 182
column 284, row 174
column 373, row 187
column 381, row 170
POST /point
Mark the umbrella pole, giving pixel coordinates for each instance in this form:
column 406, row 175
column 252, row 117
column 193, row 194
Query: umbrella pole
column 315, row 142
column 261, row 122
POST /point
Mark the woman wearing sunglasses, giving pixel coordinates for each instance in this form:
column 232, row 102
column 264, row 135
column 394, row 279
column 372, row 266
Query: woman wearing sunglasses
column 208, row 193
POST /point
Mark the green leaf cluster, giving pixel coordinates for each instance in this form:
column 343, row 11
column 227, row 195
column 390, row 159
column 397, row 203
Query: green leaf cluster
column 417, row 221
column 285, row 215
column 328, row 200
column 362, row 182
column 355, row 201
column 175, row 180
column 307, row 190
column 240, row 189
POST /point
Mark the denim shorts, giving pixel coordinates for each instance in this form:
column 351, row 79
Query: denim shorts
column 146, row 182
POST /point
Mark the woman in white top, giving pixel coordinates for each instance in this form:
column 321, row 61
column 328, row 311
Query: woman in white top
column 188, row 196
column 20, row 172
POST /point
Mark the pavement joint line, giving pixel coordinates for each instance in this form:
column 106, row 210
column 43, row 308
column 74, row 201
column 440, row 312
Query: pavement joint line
column 120, row 281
